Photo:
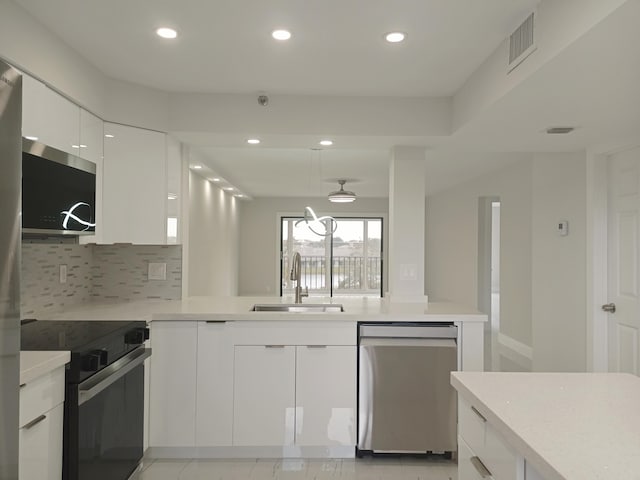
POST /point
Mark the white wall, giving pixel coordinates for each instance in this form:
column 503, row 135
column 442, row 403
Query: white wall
column 542, row 275
column 212, row 239
column 29, row 46
column 559, row 263
column 558, row 24
column 260, row 236
column 451, row 245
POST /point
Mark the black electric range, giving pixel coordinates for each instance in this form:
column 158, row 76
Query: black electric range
column 104, row 393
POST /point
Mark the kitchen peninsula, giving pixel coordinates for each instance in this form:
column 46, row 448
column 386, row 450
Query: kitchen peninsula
column 550, row 426
column 226, row 381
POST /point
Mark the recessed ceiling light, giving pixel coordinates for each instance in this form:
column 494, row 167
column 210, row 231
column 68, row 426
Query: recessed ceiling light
column 239, row 195
column 165, row 32
column 108, row 135
column 83, row 146
column 326, row 143
column 31, row 138
column 197, row 167
column 215, row 179
column 172, row 196
column 281, row 34
column 253, row 141
column 229, row 189
column 395, row 37
column 75, row 146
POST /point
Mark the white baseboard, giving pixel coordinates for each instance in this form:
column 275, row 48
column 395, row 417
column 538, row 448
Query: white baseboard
column 515, row 351
column 251, row 452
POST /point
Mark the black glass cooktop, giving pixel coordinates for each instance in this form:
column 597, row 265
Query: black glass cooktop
column 75, row 336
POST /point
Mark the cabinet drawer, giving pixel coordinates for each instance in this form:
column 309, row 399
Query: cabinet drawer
column 500, row 458
column 467, row 470
column 41, row 395
column 471, row 426
column 41, row 447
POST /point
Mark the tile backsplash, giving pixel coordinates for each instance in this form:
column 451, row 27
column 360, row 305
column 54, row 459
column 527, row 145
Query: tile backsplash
column 95, row 273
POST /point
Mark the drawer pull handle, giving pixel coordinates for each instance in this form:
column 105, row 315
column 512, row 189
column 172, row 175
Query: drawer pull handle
column 479, row 414
column 22, row 385
column 316, row 346
column 274, row 346
column 482, row 470
column 215, row 321
column 34, row 422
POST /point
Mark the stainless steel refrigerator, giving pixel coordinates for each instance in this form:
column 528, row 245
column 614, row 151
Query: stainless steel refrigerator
column 10, row 225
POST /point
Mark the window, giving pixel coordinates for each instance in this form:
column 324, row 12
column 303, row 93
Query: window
column 349, row 262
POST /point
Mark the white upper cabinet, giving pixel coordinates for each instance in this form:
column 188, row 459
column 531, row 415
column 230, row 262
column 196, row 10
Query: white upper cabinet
column 49, row 117
column 134, row 186
column 174, row 190
column 91, row 137
column 92, row 149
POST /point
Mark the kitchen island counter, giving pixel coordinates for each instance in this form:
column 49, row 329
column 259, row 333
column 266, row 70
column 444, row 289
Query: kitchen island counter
column 238, row 309
column 564, row 425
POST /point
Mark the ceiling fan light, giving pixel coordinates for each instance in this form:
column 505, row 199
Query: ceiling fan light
column 342, row 195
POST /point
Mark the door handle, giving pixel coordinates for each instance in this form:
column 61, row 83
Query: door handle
column 480, row 467
column 609, row 307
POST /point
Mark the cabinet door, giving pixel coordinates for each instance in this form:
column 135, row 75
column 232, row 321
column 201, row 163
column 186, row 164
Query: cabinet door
column 50, row 118
column 134, row 186
column 172, row 408
column 174, row 191
column 41, row 447
column 326, row 395
column 92, row 149
column 214, row 399
column 264, row 395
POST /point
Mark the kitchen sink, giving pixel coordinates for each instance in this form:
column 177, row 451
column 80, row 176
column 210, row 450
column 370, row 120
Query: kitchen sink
column 298, row 307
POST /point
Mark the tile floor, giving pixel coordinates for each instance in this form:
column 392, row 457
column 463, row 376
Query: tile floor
column 293, row 469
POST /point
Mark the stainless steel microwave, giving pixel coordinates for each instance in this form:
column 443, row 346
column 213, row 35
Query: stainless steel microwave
column 58, row 191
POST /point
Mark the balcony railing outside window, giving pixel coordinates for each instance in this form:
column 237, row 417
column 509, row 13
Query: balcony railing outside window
column 350, row 274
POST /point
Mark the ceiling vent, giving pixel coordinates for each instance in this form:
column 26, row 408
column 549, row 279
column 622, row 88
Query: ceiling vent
column 521, row 43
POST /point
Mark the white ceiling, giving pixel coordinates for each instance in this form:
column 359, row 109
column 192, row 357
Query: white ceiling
column 337, row 49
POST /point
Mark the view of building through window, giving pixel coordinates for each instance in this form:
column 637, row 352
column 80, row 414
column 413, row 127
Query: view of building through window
column 347, row 262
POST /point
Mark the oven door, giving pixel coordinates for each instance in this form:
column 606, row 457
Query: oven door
column 109, row 421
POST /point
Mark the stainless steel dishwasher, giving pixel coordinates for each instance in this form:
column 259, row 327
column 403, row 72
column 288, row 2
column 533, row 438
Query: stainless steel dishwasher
column 405, row 401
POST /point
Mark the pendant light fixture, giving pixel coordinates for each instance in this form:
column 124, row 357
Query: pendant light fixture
column 342, row 195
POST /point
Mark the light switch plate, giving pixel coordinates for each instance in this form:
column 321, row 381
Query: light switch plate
column 63, row 273
column 157, row 271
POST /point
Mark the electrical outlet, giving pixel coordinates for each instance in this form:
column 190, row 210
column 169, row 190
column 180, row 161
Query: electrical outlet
column 157, row 271
column 63, row 274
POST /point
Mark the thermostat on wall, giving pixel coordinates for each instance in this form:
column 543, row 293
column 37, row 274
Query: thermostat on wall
column 563, row 228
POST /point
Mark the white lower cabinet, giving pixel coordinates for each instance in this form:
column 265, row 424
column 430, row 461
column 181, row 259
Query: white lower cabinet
column 302, row 395
column 220, row 385
column 325, row 395
column 264, row 395
column 214, row 392
column 482, row 452
column 40, row 436
column 172, row 405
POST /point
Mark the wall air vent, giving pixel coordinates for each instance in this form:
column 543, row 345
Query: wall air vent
column 521, row 43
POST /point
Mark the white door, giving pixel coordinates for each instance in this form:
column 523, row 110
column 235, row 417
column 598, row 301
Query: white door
column 623, row 258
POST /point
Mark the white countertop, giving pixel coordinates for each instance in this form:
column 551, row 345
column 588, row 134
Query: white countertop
column 36, row 364
column 237, row 309
column 568, row 425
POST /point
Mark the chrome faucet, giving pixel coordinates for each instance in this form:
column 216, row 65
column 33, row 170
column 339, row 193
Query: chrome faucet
column 296, row 274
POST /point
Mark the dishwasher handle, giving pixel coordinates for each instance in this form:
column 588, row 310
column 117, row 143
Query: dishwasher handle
column 408, row 331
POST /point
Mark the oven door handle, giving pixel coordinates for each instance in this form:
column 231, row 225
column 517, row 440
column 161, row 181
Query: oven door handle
column 111, row 374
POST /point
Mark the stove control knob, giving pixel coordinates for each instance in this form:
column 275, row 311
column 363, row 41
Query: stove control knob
column 95, row 359
column 137, row 336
